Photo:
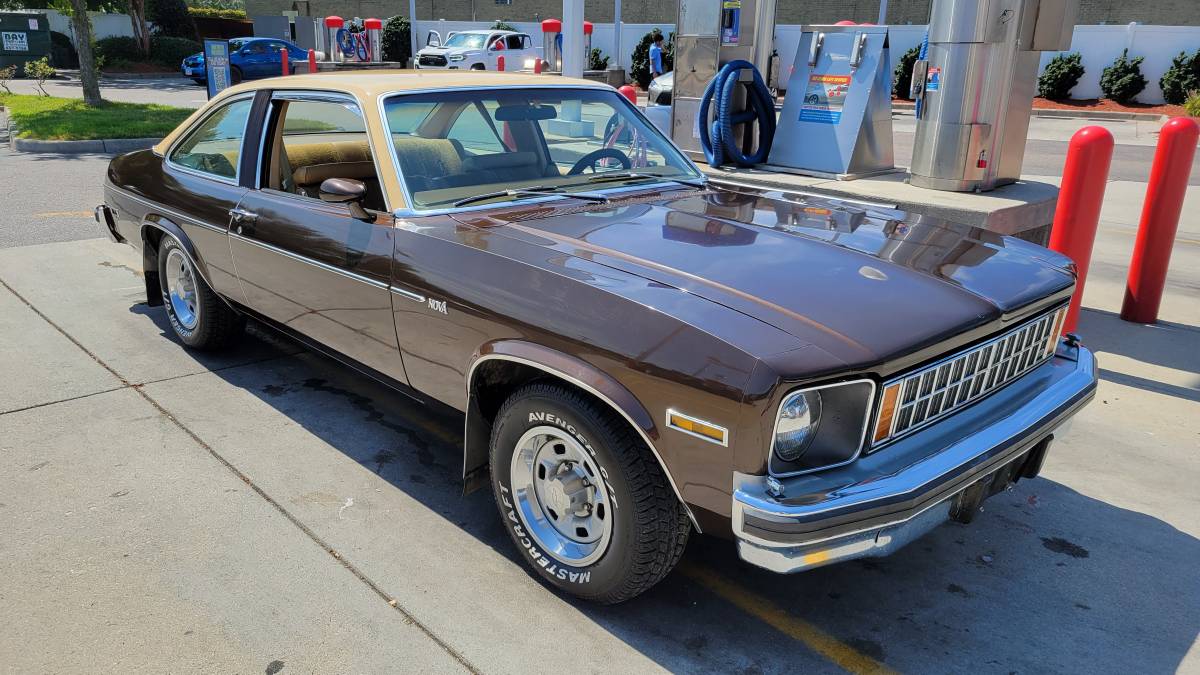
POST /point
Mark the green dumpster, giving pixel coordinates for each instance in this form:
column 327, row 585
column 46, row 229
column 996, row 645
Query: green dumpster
column 23, row 37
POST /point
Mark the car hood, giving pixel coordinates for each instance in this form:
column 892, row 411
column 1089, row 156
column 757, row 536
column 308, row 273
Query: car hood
column 865, row 284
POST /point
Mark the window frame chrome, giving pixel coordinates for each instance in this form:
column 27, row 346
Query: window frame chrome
column 325, row 97
column 409, row 210
column 187, row 134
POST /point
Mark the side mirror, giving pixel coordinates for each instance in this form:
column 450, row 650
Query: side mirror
column 346, row 191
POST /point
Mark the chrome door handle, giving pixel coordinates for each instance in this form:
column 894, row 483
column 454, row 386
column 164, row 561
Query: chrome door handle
column 242, row 216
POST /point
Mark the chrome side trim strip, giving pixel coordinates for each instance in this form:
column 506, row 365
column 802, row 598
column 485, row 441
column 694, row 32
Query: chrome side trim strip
column 594, row 392
column 407, row 295
column 168, row 211
column 724, row 442
column 309, row 261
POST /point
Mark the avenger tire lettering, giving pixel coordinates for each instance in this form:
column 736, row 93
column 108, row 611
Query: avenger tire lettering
column 547, row 424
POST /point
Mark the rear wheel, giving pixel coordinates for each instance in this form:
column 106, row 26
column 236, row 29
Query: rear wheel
column 582, row 497
column 235, row 75
column 199, row 318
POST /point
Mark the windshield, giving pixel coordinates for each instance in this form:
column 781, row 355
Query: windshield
column 235, row 45
column 453, row 146
column 467, row 40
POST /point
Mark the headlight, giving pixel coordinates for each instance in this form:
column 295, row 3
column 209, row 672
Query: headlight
column 457, row 57
column 821, row 427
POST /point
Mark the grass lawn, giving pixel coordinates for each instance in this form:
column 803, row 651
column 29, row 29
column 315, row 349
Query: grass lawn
column 68, row 119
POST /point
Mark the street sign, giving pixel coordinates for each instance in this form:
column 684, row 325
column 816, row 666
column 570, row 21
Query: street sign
column 216, row 63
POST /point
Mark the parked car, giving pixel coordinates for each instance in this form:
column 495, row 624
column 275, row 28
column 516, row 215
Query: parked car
column 249, row 59
column 661, row 88
column 477, row 50
column 638, row 353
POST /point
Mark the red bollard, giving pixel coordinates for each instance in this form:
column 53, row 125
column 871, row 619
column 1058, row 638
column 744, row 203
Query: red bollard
column 1160, row 219
column 537, row 66
column 500, row 63
column 1078, row 212
column 283, row 58
column 629, row 93
column 312, row 60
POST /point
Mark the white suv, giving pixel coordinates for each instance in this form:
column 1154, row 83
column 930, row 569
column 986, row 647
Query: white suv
column 477, row 50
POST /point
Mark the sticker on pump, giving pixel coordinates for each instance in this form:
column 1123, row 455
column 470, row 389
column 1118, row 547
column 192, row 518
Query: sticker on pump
column 933, row 80
column 824, row 98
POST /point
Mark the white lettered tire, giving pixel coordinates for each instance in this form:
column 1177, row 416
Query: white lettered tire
column 582, row 497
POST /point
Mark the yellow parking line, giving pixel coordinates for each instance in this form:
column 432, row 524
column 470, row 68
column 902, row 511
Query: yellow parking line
column 764, row 610
column 63, row 214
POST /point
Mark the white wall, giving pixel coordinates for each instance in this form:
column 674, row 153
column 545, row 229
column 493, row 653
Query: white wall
column 103, row 25
column 1101, row 45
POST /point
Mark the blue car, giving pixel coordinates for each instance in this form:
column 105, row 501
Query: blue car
column 249, row 59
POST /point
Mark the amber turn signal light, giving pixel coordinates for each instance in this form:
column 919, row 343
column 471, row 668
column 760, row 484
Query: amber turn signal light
column 887, row 410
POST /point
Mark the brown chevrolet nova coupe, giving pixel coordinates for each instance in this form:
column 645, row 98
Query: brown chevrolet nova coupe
column 639, row 353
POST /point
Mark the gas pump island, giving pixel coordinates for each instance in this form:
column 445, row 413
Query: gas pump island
column 974, row 86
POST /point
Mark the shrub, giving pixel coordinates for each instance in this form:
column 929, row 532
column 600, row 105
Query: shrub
column 902, row 76
column 397, row 40
column 170, row 51
column 597, row 60
column 503, row 25
column 1123, row 80
column 639, row 65
column 1181, row 79
column 40, row 70
column 216, row 13
column 1060, row 76
column 171, row 18
column 1192, row 104
column 62, row 51
column 7, row 73
column 118, row 48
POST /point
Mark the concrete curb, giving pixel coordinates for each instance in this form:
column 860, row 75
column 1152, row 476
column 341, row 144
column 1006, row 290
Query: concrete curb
column 1076, row 114
column 106, row 146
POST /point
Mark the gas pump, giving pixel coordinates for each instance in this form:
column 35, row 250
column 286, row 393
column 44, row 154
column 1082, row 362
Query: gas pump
column 710, row 34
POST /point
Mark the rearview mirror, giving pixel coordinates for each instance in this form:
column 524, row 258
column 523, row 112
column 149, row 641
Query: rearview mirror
column 346, row 191
column 525, row 113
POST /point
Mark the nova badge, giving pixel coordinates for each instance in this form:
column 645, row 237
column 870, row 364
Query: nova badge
column 438, row 305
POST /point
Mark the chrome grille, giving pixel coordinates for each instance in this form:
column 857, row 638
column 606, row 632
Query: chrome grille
column 948, row 385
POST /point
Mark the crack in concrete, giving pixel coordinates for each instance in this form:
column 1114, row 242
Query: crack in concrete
column 392, row 602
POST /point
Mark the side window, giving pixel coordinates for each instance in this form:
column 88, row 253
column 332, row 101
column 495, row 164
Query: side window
column 526, row 42
column 215, row 146
column 319, row 140
column 474, row 133
column 514, row 42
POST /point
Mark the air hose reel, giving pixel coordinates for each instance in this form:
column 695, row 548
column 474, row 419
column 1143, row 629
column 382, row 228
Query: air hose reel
column 717, row 138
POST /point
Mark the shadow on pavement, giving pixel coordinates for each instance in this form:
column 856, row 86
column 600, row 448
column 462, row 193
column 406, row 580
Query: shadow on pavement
column 1165, row 344
column 1046, row 579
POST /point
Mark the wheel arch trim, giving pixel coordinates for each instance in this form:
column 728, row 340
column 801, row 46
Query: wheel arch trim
column 171, row 229
column 577, row 373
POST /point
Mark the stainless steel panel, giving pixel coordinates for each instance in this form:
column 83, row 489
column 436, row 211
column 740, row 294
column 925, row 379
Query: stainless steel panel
column 699, row 17
column 695, row 64
column 1053, row 25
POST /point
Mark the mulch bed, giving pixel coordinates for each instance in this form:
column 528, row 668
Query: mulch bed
column 1107, row 105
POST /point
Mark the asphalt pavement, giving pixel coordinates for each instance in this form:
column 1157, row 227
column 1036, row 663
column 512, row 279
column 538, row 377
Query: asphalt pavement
column 267, row 509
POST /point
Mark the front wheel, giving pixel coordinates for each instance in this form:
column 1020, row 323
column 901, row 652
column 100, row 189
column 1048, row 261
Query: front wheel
column 199, row 318
column 582, row 497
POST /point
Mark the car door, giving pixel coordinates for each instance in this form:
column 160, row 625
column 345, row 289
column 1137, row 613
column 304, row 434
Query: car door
column 203, row 175
column 309, row 265
column 254, row 59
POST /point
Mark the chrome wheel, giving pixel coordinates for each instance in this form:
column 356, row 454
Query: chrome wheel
column 560, row 496
column 181, row 290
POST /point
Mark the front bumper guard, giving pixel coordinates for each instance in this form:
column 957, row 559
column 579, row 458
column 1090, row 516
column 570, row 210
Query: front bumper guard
column 883, row 501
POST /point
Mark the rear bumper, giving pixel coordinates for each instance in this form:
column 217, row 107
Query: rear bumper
column 884, row 500
column 108, row 221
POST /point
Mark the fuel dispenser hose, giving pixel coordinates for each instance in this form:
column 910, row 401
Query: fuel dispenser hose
column 717, row 139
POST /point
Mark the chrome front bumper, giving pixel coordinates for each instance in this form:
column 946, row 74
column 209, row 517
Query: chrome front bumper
column 889, row 498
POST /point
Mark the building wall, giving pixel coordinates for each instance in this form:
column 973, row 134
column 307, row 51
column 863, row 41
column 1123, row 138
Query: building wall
column 1091, row 12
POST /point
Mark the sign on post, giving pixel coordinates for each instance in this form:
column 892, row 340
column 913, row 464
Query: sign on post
column 216, row 63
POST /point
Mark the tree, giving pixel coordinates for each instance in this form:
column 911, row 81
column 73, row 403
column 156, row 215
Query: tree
column 171, row 18
column 396, row 40
column 1123, row 80
column 136, row 9
column 81, row 24
column 1060, row 76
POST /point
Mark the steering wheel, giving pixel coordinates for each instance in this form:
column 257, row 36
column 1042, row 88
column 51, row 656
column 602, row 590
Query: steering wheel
column 594, row 156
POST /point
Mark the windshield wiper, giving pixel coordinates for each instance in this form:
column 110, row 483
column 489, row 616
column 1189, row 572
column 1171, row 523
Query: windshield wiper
column 633, row 175
column 535, row 191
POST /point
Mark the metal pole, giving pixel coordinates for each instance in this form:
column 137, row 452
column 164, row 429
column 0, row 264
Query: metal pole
column 617, row 54
column 882, row 13
column 412, row 31
column 572, row 57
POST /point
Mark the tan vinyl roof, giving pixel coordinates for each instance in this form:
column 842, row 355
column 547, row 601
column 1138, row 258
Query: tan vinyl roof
column 366, row 85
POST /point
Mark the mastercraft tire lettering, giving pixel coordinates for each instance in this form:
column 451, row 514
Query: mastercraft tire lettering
column 582, row 497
